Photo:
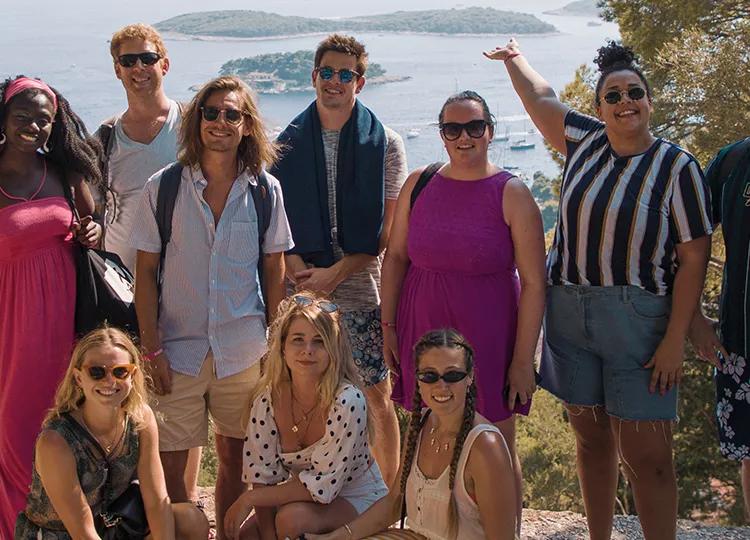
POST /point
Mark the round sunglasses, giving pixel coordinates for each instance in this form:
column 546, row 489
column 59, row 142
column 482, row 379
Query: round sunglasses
column 431, row 377
column 345, row 75
column 474, row 129
column 146, row 58
column 231, row 116
column 323, row 305
column 120, row 372
column 634, row 93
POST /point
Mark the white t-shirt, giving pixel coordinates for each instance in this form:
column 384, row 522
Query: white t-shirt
column 131, row 164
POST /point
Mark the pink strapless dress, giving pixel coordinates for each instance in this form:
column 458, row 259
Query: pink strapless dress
column 37, row 306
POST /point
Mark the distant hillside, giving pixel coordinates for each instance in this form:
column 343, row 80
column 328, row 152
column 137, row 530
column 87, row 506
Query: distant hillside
column 277, row 73
column 579, row 8
column 255, row 24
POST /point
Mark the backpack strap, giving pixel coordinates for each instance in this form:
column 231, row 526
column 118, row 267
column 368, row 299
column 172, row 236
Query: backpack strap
column 169, row 185
column 263, row 209
column 424, row 179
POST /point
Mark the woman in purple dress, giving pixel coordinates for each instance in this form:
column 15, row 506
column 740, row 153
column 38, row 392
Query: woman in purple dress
column 468, row 254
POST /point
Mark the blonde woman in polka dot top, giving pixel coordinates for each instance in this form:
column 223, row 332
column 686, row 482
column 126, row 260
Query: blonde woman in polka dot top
column 306, row 453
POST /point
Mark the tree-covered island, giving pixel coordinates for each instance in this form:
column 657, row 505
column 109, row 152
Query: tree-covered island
column 259, row 24
column 276, row 73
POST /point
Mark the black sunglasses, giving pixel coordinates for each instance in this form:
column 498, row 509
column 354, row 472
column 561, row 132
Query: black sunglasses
column 146, row 58
column 323, row 305
column 232, row 116
column 474, row 129
column 634, row 93
column 431, row 377
column 120, row 372
column 345, row 75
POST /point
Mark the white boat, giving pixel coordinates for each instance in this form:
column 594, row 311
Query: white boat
column 522, row 144
column 499, row 137
column 412, row 133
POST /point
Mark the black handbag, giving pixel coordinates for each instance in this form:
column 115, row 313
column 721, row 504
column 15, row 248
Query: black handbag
column 125, row 517
column 104, row 288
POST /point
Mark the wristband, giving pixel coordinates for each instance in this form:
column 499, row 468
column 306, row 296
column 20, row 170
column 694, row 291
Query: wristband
column 387, row 324
column 511, row 56
column 152, row 355
column 349, row 530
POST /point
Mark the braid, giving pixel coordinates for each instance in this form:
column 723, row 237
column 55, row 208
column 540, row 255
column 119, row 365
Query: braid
column 415, row 426
column 468, row 423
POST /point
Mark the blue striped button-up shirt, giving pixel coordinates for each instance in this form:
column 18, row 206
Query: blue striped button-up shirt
column 209, row 296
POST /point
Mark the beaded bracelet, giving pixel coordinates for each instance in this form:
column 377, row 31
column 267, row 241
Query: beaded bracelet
column 152, row 355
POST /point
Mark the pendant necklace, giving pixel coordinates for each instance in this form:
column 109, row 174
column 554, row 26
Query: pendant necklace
column 108, row 446
column 435, row 441
column 296, row 425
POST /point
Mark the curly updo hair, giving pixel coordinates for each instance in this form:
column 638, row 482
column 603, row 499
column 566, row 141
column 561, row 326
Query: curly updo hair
column 616, row 57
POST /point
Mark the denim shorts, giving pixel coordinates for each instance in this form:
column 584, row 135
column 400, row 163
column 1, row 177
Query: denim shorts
column 596, row 342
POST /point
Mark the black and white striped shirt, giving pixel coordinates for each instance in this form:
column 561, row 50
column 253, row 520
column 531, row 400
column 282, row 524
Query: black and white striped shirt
column 621, row 217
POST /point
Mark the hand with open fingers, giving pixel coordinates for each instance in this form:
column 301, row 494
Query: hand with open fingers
column 390, row 348
column 88, row 232
column 666, row 364
column 161, row 376
column 236, row 515
column 506, row 52
column 322, row 280
column 521, row 384
column 705, row 341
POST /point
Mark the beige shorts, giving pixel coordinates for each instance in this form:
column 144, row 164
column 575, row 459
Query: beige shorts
column 182, row 415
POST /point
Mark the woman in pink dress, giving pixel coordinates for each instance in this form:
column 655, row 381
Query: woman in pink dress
column 468, row 255
column 43, row 153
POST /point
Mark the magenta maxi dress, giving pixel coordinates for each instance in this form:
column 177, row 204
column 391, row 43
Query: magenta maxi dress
column 37, row 304
column 463, row 276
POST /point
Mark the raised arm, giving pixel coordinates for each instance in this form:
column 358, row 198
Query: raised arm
column 56, row 466
column 153, row 486
column 539, row 99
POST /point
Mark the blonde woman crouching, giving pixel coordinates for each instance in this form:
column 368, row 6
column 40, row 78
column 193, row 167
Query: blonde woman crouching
column 456, row 472
column 99, row 437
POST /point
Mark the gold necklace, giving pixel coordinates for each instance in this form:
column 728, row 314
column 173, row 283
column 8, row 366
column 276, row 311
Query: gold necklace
column 305, row 418
column 114, row 443
column 435, row 441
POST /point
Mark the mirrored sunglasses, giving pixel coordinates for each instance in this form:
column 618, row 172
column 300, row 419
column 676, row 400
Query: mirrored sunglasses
column 146, row 58
column 122, row 371
column 474, row 129
column 431, row 377
column 614, row 96
column 345, row 75
column 323, row 305
column 231, row 116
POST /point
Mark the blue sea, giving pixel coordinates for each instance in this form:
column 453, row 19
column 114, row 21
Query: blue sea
column 72, row 54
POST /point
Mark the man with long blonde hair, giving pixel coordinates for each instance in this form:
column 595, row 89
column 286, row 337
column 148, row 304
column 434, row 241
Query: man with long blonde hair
column 201, row 301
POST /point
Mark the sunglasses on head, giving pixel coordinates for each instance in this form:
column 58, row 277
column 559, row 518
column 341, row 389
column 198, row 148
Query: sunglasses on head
column 345, row 75
column 634, row 93
column 323, row 305
column 474, row 129
column 431, row 377
column 146, row 58
column 232, row 116
column 122, row 371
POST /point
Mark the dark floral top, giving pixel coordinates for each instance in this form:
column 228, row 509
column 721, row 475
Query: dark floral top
column 39, row 521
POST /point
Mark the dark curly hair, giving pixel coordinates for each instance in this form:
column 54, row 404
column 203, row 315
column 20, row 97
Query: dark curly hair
column 446, row 337
column 72, row 150
column 616, row 57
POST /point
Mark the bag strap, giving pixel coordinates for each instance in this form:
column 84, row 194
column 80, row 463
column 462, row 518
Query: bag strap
column 169, row 185
column 424, row 179
column 263, row 209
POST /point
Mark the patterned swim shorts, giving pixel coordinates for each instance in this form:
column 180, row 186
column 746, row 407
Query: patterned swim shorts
column 733, row 407
column 366, row 338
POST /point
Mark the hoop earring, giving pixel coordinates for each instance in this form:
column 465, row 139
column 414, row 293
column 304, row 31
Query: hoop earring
column 46, row 147
column 2, row 138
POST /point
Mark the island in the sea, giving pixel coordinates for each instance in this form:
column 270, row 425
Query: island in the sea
column 260, row 24
column 278, row 73
column 578, row 8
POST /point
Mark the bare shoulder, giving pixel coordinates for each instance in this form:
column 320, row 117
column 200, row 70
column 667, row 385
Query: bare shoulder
column 488, row 452
column 516, row 191
column 51, row 442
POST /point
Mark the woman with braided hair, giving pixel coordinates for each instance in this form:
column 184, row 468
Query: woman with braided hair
column 45, row 165
column 456, row 474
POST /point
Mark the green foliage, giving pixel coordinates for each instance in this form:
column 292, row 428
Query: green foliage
column 293, row 67
column 247, row 24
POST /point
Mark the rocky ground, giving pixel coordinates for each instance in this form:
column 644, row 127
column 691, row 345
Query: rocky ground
column 544, row 525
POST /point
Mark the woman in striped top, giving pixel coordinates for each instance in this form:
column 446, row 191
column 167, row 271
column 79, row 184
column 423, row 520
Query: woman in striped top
column 625, row 274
